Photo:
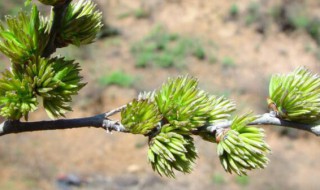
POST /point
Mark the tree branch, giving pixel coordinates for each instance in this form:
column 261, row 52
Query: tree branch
column 269, row 119
column 102, row 121
column 98, row 121
column 58, row 14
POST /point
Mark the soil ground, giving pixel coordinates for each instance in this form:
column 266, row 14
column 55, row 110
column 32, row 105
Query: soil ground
column 118, row 161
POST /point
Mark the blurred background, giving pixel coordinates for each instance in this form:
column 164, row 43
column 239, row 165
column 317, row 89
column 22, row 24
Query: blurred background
column 232, row 47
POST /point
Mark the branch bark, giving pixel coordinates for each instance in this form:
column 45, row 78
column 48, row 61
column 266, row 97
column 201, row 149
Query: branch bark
column 269, row 119
column 102, row 121
column 59, row 12
column 97, row 121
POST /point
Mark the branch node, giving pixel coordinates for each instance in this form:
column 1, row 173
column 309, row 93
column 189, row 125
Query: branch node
column 271, row 113
column 316, row 130
column 110, row 125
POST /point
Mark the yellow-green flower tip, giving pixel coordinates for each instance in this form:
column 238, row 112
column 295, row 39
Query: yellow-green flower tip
column 296, row 96
column 242, row 148
column 140, row 116
column 171, row 151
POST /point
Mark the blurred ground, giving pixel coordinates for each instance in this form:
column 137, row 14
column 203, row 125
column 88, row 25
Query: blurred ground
column 244, row 56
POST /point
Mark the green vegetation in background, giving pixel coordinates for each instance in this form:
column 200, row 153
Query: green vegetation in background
column 165, row 49
column 117, row 78
column 253, row 13
column 297, row 19
column 274, row 12
column 218, row 179
column 199, row 53
column 289, row 17
column 242, row 180
column 213, row 59
column 138, row 13
column 313, row 29
column 228, row 62
column 301, row 20
column 234, row 11
column 141, row 13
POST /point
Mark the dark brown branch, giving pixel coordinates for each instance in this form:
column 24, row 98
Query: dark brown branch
column 102, row 121
column 59, row 12
column 98, row 121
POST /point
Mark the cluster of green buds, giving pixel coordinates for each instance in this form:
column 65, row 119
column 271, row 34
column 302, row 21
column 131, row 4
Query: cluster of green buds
column 80, row 24
column 54, row 80
column 185, row 107
column 242, row 147
column 296, row 96
column 33, row 77
column 141, row 116
column 169, row 117
column 17, row 98
column 23, row 36
column 169, row 151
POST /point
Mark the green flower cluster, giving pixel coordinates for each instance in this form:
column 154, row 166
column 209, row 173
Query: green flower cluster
column 296, row 96
column 182, row 105
column 23, row 36
column 169, row 116
column 80, row 25
column 56, row 83
column 185, row 107
column 169, row 151
column 140, row 117
column 241, row 147
column 17, row 98
column 54, row 80
column 33, row 78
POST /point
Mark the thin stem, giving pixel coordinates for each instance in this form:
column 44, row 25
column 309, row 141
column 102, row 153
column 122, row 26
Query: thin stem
column 269, row 119
column 115, row 111
column 59, row 12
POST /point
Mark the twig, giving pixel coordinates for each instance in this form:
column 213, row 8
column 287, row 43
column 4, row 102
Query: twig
column 269, row 119
column 115, row 111
column 98, row 121
column 58, row 14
